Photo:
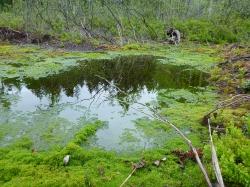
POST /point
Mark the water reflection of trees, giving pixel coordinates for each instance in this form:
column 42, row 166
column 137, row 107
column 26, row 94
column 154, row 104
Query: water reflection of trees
column 131, row 74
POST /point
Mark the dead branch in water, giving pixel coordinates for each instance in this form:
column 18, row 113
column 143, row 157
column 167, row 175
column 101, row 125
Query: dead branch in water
column 155, row 115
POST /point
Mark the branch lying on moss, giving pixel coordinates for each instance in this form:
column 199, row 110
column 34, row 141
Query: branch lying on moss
column 136, row 166
column 233, row 101
column 155, row 115
column 215, row 161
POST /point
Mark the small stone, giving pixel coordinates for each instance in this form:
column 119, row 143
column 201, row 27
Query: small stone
column 164, row 159
column 66, row 159
column 157, row 162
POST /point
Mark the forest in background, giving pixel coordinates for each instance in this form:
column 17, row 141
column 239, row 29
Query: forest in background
column 124, row 21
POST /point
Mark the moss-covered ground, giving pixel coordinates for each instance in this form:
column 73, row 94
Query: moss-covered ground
column 19, row 61
column 22, row 165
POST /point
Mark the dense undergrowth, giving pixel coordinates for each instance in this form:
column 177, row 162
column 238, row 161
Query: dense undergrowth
column 122, row 22
column 127, row 24
column 214, row 32
column 22, row 165
column 200, row 30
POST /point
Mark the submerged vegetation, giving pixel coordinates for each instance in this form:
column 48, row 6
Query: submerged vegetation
column 87, row 80
column 24, row 163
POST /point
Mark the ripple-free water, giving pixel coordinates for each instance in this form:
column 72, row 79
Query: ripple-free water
column 51, row 110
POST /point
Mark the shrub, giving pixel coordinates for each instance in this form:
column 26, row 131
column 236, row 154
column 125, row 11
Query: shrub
column 216, row 32
column 234, row 157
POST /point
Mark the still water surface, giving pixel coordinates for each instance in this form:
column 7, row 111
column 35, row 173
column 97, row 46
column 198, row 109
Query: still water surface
column 51, row 110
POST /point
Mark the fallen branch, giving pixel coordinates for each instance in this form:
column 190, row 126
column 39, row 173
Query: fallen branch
column 233, row 101
column 126, row 180
column 215, row 161
column 136, row 166
column 160, row 118
column 202, row 168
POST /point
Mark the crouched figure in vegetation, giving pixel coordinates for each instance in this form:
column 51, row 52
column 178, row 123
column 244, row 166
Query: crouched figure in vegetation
column 174, row 36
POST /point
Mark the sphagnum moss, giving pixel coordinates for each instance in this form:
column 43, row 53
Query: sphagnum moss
column 22, row 165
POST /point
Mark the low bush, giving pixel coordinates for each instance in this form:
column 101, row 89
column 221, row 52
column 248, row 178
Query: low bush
column 215, row 32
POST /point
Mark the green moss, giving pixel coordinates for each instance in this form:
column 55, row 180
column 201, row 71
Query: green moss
column 34, row 62
column 87, row 131
column 11, row 20
column 97, row 168
column 208, row 31
column 233, row 154
column 133, row 46
column 23, row 164
column 186, row 109
column 227, row 117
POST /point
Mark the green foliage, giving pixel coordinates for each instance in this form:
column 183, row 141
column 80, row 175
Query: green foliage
column 10, row 20
column 209, row 31
column 92, row 168
column 21, row 164
column 5, row 3
column 234, row 156
column 23, row 143
column 71, row 37
column 246, row 86
column 226, row 117
column 134, row 46
column 87, row 131
column 203, row 21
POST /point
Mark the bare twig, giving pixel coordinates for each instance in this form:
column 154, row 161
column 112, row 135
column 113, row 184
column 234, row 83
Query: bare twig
column 90, row 34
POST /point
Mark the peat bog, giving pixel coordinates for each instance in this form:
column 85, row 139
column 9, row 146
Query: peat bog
column 50, row 110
